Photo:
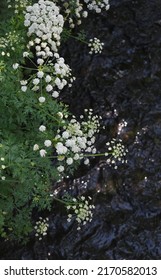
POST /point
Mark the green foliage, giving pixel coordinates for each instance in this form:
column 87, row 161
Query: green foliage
column 25, row 177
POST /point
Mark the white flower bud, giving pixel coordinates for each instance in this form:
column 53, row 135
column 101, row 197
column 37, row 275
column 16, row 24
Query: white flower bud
column 24, row 88
column 42, row 128
column 47, row 143
column 55, row 94
column 40, row 74
column 69, row 161
column 60, row 168
column 42, row 153
column 49, row 88
column 41, row 99
column 36, row 147
column 36, row 81
column 15, row 66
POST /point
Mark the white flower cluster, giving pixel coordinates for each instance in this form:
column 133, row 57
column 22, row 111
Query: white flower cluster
column 47, row 143
column 41, row 227
column 95, row 45
column 76, row 139
column 82, row 210
column 117, row 152
column 44, row 21
column 2, row 167
column 73, row 141
column 73, row 11
column 45, row 25
column 97, row 5
column 60, row 76
column 9, row 42
column 18, row 5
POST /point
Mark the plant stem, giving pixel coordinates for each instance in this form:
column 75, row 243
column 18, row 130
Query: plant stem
column 59, row 200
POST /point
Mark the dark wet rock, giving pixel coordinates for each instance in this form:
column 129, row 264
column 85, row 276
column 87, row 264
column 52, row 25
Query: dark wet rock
column 122, row 85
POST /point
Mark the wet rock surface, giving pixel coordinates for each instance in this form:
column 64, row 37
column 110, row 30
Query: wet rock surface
column 123, row 85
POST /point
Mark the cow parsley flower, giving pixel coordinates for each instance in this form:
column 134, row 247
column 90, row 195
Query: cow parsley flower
column 69, row 161
column 40, row 61
column 48, row 78
column 23, row 82
column 15, row 66
column 77, row 138
column 36, row 81
column 55, row 94
column 98, row 5
column 65, row 134
column 26, row 54
column 40, row 74
column 41, row 227
column 44, row 21
column 36, row 147
column 60, row 168
column 9, row 43
column 49, row 88
column 86, row 161
column 82, row 210
column 95, row 46
column 42, row 99
column 47, row 143
column 74, row 11
column 18, row 5
column 60, row 148
column 23, row 85
column 116, row 152
column 43, row 153
column 24, row 88
column 42, row 128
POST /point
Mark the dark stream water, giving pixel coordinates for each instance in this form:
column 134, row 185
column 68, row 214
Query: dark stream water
column 123, row 85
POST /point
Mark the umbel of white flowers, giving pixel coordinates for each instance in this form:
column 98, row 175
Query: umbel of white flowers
column 44, row 20
column 41, row 227
column 82, row 211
